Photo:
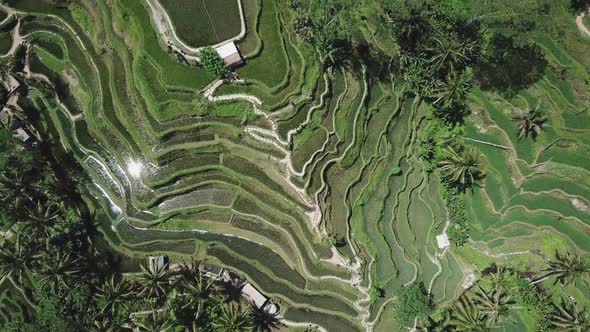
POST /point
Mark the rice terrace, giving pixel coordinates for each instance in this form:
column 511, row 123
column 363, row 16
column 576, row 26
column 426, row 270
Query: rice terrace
column 295, row 165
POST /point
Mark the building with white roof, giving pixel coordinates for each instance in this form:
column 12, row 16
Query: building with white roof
column 253, row 296
column 443, row 241
column 230, row 54
column 21, row 134
column 158, row 262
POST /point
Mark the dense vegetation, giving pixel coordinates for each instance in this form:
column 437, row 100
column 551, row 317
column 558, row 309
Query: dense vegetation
column 357, row 134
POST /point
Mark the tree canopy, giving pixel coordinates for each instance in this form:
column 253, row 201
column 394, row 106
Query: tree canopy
column 414, row 301
column 213, row 63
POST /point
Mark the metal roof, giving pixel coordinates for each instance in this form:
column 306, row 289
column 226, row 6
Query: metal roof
column 253, row 295
column 443, row 241
column 229, row 53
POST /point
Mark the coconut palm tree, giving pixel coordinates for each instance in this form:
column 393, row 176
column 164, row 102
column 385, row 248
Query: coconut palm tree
column 154, row 281
column 231, row 288
column 262, row 321
column 466, row 316
column 446, row 53
column 155, row 321
column 232, row 317
column 566, row 317
column 440, row 325
column 60, row 269
column 114, row 292
column 16, row 259
column 40, row 216
column 566, row 268
column 198, row 289
column 461, row 167
column 495, row 304
column 15, row 188
column 102, row 324
column 529, row 122
column 503, row 277
column 452, row 90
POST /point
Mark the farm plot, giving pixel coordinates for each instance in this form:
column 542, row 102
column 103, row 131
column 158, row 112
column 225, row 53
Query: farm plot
column 204, row 22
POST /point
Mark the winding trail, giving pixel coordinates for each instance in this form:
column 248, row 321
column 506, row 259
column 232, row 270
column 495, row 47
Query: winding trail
column 580, row 23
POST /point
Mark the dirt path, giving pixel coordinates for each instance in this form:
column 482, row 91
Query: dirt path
column 581, row 26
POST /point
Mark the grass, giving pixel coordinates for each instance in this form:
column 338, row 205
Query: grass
column 204, row 22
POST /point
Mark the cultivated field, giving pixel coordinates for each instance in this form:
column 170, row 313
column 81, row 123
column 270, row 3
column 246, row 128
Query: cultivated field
column 204, row 22
column 260, row 187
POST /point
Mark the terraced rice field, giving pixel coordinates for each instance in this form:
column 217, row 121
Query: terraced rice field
column 204, row 22
column 321, row 152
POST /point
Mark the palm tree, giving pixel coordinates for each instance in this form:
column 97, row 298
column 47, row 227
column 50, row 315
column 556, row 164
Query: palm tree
column 503, row 277
column 461, row 167
column 102, row 324
column 16, row 259
column 441, row 325
column 231, row 287
column 155, row 281
column 445, row 53
column 232, row 317
column 40, row 216
column 529, row 122
column 262, row 321
column 198, row 289
column 566, row 317
column 15, row 187
column 60, row 269
column 155, row 321
column 114, row 293
column 453, row 90
column 495, row 304
column 566, row 268
column 466, row 316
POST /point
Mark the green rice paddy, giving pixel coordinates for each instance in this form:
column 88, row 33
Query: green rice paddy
column 257, row 188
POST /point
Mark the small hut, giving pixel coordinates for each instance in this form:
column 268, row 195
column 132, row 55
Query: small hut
column 230, row 54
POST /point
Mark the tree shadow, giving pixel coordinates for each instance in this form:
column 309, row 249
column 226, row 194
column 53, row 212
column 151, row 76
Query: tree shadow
column 510, row 69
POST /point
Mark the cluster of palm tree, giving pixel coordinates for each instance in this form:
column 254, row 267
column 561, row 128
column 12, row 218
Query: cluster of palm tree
column 181, row 299
column 490, row 302
column 47, row 250
column 327, row 25
column 481, row 310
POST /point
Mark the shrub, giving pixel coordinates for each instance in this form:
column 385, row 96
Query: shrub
column 213, row 63
column 414, row 302
column 455, row 203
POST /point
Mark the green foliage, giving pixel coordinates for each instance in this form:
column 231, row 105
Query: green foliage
column 536, row 301
column 213, row 63
column 458, row 234
column 461, row 167
column 327, row 25
column 518, row 21
column 568, row 267
column 438, row 43
column 414, row 301
column 7, row 146
column 455, row 203
column 433, row 138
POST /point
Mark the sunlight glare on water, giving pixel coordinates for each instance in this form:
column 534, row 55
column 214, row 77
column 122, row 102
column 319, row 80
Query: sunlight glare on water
column 134, row 168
